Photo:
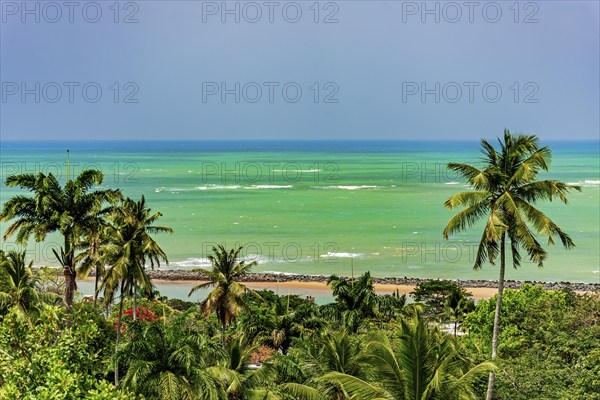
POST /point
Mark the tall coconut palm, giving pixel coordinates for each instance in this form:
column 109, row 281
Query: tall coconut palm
column 68, row 209
column 423, row 364
column 226, row 299
column 503, row 194
column 131, row 246
column 18, row 285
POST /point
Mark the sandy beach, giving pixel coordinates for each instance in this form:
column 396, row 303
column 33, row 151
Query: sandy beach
column 296, row 287
column 177, row 284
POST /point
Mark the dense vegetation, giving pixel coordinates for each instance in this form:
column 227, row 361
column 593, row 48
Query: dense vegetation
column 242, row 344
column 305, row 351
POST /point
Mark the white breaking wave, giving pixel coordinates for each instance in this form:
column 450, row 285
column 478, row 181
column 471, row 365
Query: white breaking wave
column 233, row 187
column 296, row 170
column 586, row 183
column 341, row 255
column 172, row 190
column 347, row 187
column 193, row 263
column 269, row 187
column 218, row 187
column 281, row 273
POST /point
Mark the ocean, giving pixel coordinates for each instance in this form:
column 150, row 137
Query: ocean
column 318, row 207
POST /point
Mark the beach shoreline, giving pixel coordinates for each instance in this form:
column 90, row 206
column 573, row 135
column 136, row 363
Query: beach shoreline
column 479, row 288
column 299, row 286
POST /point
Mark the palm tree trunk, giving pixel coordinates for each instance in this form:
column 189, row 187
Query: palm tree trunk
column 491, row 380
column 455, row 327
column 118, row 335
column 70, row 275
column 95, row 246
column 223, row 329
column 135, row 301
column 70, row 285
column 96, row 288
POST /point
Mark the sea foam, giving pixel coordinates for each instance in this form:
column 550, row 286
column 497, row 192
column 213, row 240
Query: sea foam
column 347, row 187
column 341, row 255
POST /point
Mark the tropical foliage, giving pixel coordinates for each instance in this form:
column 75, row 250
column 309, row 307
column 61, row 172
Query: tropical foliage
column 420, row 364
column 549, row 343
column 169, row 361
column 129, row 247
column 19, row 286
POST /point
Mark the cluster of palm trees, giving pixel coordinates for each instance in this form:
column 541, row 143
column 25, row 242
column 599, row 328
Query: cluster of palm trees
column 175, row 360
column 112, row 236
column 100, row 227
column 72, row 210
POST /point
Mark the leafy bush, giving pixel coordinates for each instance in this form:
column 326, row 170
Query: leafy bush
column 58, row 355
column 548, row 343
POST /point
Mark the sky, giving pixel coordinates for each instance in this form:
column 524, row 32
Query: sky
column 347, row 70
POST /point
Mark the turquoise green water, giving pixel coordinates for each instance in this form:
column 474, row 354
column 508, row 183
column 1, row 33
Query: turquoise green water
column 318, row 207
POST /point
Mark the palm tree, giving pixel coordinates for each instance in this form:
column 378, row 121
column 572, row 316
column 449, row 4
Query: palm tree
column 503, row 193
column 91, row 244
column 391, row 306
column 279, row 323
column 355, row 300
column 334, row 352
column 131, row 244
column 457, row 306
column 137, row 215
column 226, row 299
column 69, row 210
column 169, row 361
column 234, row 375
column 18, row 290
column 423, row 364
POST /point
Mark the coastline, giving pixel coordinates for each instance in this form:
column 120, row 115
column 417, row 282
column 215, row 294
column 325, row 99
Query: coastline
column 296, row 286
column 479, row 288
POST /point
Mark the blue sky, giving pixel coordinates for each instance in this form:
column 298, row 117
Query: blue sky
column 374, row 70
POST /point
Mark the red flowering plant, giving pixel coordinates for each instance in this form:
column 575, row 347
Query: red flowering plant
column 144, row 315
